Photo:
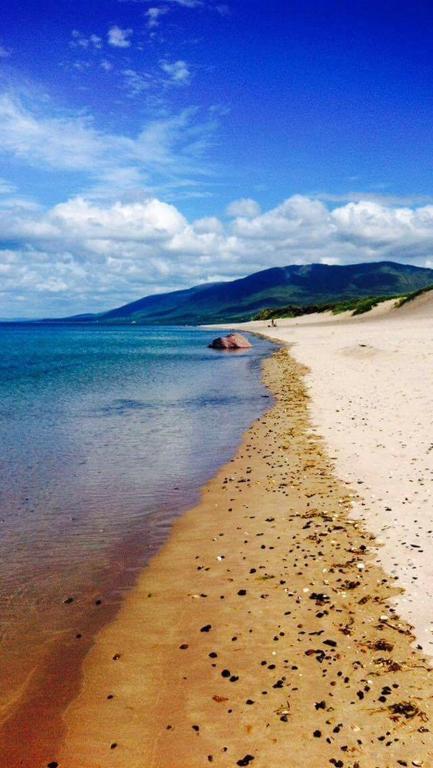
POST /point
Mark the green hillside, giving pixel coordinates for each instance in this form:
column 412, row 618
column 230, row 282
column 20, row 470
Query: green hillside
column 297, row 285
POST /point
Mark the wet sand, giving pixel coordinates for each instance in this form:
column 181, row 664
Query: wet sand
column 41, row 676
column 263, row 632
column 39, row 680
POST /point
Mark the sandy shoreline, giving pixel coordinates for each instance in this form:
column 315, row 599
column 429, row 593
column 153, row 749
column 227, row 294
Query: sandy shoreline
column 261, row 633
column 369, row 379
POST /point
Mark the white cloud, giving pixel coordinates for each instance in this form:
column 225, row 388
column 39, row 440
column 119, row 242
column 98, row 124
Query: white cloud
column 187, row 3
column 60, row 142
column 6, row 187
column 136, row 82
column 151, row 220
column 165, row 150
column 208, row 224
column 83, row 255
column 154, row 15
column 178, row 71
column 119, row 38
column 375, row 197
column 81, row 41
column 244, row 207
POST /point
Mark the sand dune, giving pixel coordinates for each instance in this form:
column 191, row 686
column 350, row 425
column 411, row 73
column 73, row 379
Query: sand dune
column 421, row 307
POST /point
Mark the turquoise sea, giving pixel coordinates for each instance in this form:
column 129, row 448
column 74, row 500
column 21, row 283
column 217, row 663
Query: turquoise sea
column 106, row 435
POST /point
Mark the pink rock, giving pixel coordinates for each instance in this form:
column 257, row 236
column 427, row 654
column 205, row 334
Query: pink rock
column 232, row 341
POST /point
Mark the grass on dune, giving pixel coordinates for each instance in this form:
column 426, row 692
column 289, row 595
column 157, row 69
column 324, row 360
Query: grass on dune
column 357, row 306
column 411, row 296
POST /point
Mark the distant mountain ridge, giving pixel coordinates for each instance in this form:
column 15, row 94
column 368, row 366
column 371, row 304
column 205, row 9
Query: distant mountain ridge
column 299, row 285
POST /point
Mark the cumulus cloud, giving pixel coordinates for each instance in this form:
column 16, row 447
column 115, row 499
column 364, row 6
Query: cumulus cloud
column 85, row 255
column 119, row 38
column 244, row 207
column 151, row 220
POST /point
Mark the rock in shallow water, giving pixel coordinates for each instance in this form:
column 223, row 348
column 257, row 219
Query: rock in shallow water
column 232, row 341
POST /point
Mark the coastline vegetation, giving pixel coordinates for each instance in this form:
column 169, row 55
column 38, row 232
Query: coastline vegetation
column 357, row 306
column 405, row 299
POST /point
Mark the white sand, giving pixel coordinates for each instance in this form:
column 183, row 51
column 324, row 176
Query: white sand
column 371, row 381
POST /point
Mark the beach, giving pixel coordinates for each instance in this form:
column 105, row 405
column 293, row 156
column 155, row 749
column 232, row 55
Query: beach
column 122, row 429
column 216, row 384
column 266, row 630
column 369, row 378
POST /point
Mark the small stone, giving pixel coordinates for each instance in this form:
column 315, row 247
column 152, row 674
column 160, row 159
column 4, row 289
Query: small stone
column 245, row 760
column 225, row 673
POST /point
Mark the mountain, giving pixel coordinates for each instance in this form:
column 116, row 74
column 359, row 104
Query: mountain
column 299, row 285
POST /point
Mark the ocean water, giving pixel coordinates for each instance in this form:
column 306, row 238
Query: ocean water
column 106, row 434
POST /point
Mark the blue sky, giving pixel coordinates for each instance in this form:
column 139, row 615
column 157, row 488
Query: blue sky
column 151, row 145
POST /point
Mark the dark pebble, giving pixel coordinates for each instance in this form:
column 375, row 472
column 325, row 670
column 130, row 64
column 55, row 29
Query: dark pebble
column 245, row 760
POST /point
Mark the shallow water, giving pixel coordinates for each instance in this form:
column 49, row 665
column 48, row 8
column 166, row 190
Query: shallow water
column 106, row 435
